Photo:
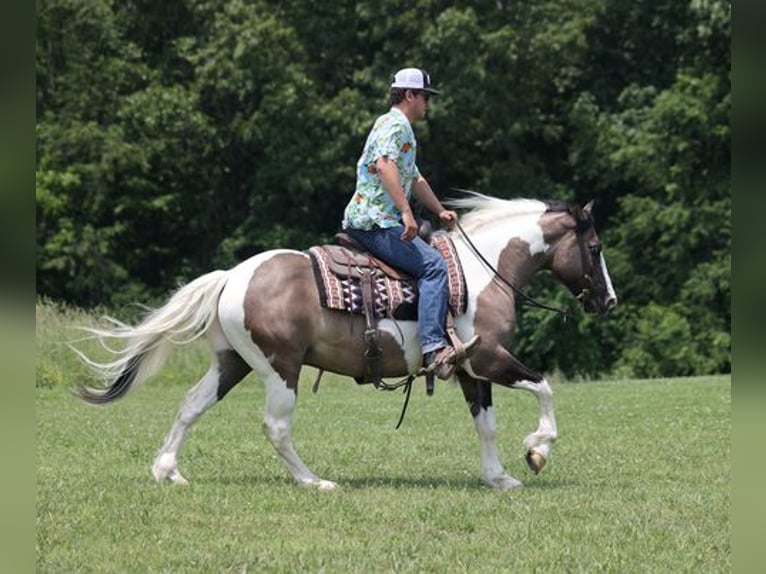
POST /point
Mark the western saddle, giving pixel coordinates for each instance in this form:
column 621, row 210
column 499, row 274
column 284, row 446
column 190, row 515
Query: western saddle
column 350, row 259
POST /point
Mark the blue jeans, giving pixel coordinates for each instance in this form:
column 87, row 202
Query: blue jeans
column 423, row 262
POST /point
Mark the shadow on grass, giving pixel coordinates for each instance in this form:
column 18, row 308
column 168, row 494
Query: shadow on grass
column 452, row 482
column 386, row 482
column 357, row 483
column 424, row 482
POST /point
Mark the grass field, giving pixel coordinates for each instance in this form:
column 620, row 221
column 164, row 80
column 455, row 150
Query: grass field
column 639, row 481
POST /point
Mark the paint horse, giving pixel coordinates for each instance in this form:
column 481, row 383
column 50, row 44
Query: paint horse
column 264, row 315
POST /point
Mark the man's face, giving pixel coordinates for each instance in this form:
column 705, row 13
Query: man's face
column 420, row 103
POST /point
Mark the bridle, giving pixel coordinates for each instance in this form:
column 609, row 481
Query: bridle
column 581, row 227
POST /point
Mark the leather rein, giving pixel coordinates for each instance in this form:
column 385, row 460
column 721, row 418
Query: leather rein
column 582, row 226
column 526, row 298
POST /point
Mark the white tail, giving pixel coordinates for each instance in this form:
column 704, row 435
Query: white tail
column 184, row 318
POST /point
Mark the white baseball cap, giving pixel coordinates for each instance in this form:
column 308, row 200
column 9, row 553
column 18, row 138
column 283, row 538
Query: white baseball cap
column 413, row 79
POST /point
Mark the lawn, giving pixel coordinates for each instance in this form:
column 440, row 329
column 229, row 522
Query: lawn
column 639, row 482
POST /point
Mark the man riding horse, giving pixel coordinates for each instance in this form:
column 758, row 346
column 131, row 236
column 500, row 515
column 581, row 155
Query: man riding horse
column 380, row 218
column 266, row 314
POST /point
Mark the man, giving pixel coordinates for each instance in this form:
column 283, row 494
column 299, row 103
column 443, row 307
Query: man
column 379, row 215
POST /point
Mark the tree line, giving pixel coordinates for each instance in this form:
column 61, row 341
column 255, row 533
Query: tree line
column 179, row 136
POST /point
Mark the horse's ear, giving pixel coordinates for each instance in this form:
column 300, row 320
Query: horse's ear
column 582, row 216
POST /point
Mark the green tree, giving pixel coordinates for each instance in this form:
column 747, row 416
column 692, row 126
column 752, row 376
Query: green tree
column 177, row 136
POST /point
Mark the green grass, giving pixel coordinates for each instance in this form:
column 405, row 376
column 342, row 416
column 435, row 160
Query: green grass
column 639, row 480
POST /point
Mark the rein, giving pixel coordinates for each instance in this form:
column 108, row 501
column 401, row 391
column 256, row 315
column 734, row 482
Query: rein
column 407, row 384
column 497, row 275
column 407, row 381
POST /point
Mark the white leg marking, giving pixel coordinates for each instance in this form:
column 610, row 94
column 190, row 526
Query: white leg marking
column 492, row 472
column 542, row 439
column 200, row 398
column 277, row 426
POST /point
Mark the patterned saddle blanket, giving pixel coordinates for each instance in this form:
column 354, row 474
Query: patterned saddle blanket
column 339, row 269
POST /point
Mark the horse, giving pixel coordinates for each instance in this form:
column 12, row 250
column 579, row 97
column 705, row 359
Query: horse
column 264, row 316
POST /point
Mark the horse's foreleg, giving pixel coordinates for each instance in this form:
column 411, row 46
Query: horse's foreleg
column 540, row 442
column 478, row 394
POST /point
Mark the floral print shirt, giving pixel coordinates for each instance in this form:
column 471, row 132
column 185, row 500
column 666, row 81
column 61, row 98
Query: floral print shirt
column 371, row 205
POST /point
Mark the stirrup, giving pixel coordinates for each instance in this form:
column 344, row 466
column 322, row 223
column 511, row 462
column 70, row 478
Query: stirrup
column 447, row 358
column 442, row 365
column 464, row 350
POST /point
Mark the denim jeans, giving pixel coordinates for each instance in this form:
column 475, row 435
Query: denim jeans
column 423, row 262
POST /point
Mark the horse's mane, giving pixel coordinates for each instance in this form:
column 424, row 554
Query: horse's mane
column 483, row 209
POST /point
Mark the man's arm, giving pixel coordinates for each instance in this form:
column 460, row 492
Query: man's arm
column 422, row 191
column 392, row 183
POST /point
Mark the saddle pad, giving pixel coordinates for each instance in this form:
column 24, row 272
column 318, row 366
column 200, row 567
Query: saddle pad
column 458, row 294
column 393, row 298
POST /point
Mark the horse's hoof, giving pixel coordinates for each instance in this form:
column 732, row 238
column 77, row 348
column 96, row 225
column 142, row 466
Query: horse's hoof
column 178, row 478
column 326, row 485
column 319, row 484
column 535, row 461
column 504, row 482
column 165, row 468
column 173, row 477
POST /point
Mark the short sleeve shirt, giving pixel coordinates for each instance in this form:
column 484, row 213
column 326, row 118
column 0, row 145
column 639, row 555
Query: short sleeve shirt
column 371, row 205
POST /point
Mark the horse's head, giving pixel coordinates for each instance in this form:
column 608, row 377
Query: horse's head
column 577, row 259
column 519, row 236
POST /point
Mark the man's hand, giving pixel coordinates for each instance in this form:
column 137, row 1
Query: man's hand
column 410, row 226
column 449, row 217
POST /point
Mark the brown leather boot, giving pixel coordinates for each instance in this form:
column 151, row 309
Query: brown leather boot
column 442, row 361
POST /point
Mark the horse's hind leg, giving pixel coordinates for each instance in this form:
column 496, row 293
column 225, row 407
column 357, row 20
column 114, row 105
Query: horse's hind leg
column 279, row 370
column 270, row 314
column 226, row 370
column 281, row 397
column 478, row 394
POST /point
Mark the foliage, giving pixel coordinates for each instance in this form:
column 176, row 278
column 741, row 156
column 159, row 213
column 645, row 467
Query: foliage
column 179, row 136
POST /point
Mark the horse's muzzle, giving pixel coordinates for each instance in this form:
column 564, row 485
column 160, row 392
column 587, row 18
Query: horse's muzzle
column 593, row 305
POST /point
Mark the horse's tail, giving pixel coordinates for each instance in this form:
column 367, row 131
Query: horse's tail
column 186, row 316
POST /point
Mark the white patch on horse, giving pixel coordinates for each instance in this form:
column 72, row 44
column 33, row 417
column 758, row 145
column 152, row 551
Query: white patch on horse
column 277, row 426
column 609, row 287
column 494, row 219
column 280, row 399
column 492, row 471
column 231, row 309
column 198, row 400
column 406, row 334
column 543, row 438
